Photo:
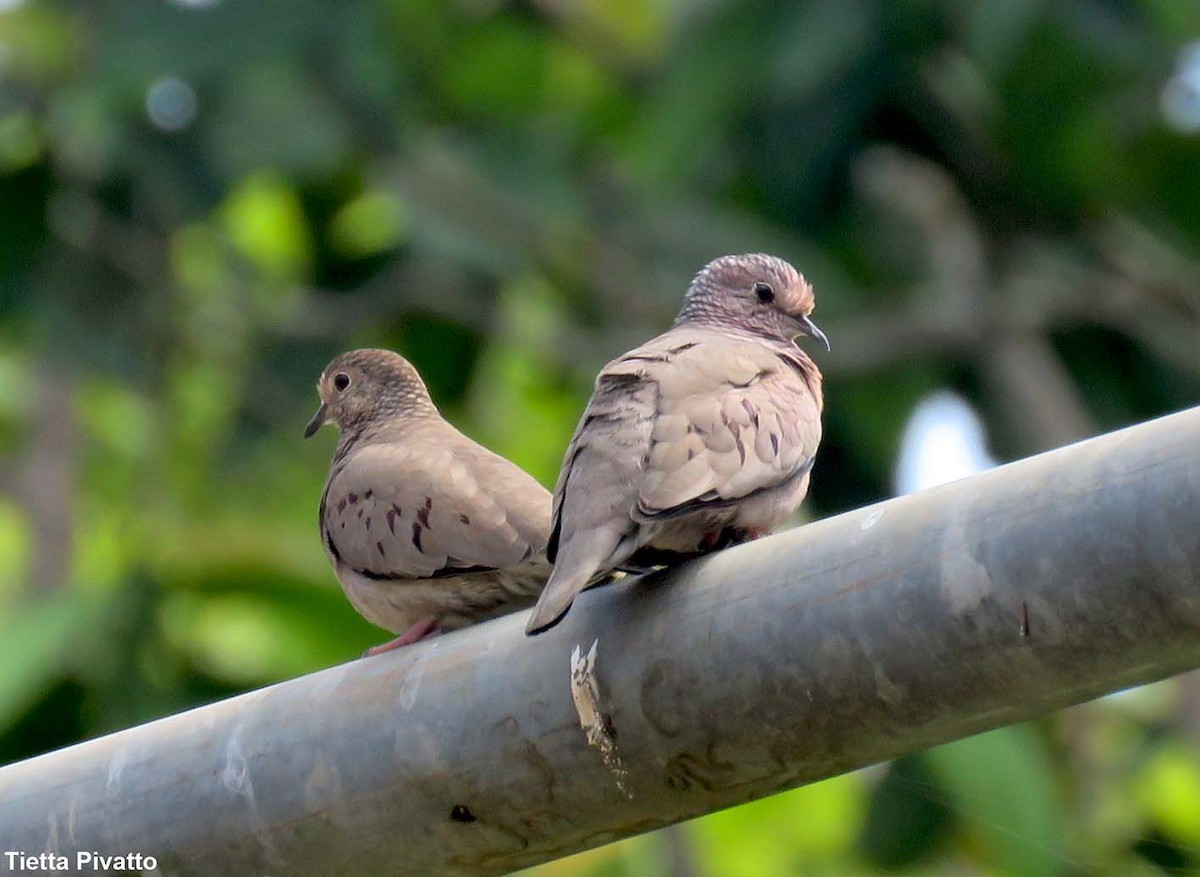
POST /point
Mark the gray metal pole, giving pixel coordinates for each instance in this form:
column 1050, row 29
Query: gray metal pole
column 848, row 641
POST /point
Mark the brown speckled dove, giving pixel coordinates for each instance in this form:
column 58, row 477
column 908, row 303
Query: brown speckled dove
column 426, row 529
column 700, row 438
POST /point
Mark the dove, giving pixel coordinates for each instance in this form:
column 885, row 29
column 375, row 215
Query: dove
column 426, row 530
column 698, row 439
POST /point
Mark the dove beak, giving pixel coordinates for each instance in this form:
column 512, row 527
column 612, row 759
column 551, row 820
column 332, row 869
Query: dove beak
column 809, row 328
column 318, row 420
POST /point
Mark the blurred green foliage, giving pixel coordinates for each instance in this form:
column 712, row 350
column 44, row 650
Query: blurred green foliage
column 202, row 201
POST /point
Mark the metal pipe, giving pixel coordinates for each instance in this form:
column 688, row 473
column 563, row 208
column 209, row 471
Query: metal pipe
column 842, row 643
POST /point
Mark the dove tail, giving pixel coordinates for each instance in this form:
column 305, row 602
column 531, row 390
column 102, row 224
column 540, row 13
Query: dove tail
column 556, row 599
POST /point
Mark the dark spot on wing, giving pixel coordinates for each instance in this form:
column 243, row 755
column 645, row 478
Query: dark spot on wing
column 741, row 446
column 341, row 505
column 456, row 567
column 352, row 498
column 775, row 444
column 379, row 546
column 423, row 513
column 391, row 520
column 597, row 417
column 682, row 347
column 466, row 520
column 644, row 357
column 752, row 411
column 368, row 494
column 368, row 523
column 618, row 381
column 552, row 542
column 416, row 536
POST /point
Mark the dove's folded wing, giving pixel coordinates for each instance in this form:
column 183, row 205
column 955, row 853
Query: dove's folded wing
column 596, row 484
column 392, row 511
column 733, row 420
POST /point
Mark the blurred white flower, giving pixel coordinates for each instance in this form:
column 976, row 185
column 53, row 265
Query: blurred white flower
column 171, row 104
column 1180, row 98
column 943, row 441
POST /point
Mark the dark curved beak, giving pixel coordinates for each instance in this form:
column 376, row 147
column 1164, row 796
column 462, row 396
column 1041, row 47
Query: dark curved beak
column 318, row 420
column 809, row 328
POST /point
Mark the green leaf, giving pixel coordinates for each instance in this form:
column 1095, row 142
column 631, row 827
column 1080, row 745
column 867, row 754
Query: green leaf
column 905, row 823
column 38, row 646
column 264, row 218
column 1169, row 788
column 1002, row 785
column 369, row 224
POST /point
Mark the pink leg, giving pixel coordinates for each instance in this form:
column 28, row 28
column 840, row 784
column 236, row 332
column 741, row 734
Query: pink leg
column 720, row 539
column 420, row 629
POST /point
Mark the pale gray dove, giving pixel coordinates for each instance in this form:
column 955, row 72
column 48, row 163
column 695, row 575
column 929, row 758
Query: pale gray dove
column 700, row 438
column 426, row 529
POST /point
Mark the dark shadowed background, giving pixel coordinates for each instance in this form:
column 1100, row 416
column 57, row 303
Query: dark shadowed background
column 202, row 201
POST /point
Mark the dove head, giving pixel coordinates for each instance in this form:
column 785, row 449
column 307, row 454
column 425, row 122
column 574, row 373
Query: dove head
column 753, row 292
column 361, row 387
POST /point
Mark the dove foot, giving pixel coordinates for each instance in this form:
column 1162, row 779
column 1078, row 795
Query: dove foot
column 648, row 559
column 721, row 539
column 421, row 628
column 728, row 537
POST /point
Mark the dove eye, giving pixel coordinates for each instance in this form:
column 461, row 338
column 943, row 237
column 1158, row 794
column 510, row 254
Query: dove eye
column 765, row 294
column 341, row 381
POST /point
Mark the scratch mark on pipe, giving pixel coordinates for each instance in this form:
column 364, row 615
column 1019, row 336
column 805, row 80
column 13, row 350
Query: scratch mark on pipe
column 52, row 833
column 115, row 768
column 597, row 727
column 71, row 808
column 410, row 684
column 236, row 778
column 965, row 581
column 323, row 793
column 871, row 520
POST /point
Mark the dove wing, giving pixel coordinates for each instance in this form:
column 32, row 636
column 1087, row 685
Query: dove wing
column 396, row 510
column 597, row 485
column 733, row 418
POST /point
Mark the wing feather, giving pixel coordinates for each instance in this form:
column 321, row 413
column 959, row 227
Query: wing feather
column 733, row 419
column 405, row 510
